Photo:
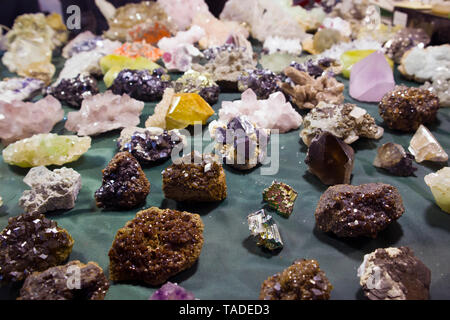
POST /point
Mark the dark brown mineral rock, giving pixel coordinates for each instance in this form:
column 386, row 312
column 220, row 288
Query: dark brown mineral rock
column 395, row 159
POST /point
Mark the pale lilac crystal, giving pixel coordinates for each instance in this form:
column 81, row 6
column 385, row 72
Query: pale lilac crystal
column 19, row 88
column 82, row 42
column 172, row 291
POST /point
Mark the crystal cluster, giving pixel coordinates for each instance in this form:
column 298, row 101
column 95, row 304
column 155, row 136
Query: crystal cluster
column 351, row 57
column 84, row 41
column 183, row 18
column 278, row 44
column 19, row 89
column 303, row 280
column 441, row 88
column 19, row 120
column 52, row 284
column 50, row 190
column 240, row 142
column 148, row 32
column 172, row 291
column 394, row 274
column 330, row 159
column 395, row 160
column 282, row 115
column 355, row 211
column 280, row 197
column 404, row 40
column 406, row 108
column 323, row 40
column 156, row 245
column 31, row 242
column 337, row 23
column 264, row 229
column 195, row 82
column 276, row 62
column 425, row 147
column 139, row 49
column 72, row 91
column 439, row 183
column 104, row 112
column 263, row 82
column 124, row 184
column 318, row 67
column 336, row 51
column 46, row 149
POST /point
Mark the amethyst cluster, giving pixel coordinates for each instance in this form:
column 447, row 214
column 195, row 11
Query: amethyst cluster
column 315, row 68
column 73, row 91
column 262, row 81
column 172, row 291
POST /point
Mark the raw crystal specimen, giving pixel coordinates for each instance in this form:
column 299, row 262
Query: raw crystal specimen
column 19, row 120
column 355, row 211
column 394, row 274
column 441, row 88
column 84, row 41
column 262, row 82
column 73, row 91
column 31, row 242
column 439, row 183
column 104, row 112
column 404, row 40
column 263, row 228
column 172, row 291
column 303, row 280
column 318, row 67
column 350, row 58
column 139, row 49
column 46, row 149
column 1, row 201
column 336, row 51
column 189, row 9
column 395, row 159
column 195, row 178
column 406, row 108
column 281, row 197
column 156, row 245
column 50, row 190
column 425, row 147
column 276, row 62
column 371, row 78
column 179, row 110
column 150, row 145
column 282, row 115
column 124, row 184
column 202, row 83
column 345, row 121
column 337, row 23
column 55, row 283
column 278, row 44
column 148, row 32
column 142, row 85
column 19, row 89
column 330, row 159
column 306, row 92
column 323, row 40
column 240, row 142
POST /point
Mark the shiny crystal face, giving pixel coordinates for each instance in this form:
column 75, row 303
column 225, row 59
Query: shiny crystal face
column 425, row 147
column 172, row 291
column 281, row 197
column 73, row 91
column 393, row 158
column 262, row 82
column 439, row 183
column 201, row 83
column 263, row 228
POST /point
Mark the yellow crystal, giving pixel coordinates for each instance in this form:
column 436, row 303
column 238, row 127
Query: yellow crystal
column 439, row 183
column 349, row 58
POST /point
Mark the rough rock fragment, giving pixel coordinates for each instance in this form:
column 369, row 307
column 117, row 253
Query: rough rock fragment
column 395, row 159
column 425, row 147
column 73, row 91
column 441, row 88
column 439, row 183
column 172, row 291
column 264, row 229
column 404, row 40
column 84, row 41
column 148, row 32
column 318, row 67
column 322, row 40
column 19, row 88
column 195, row 82
column 276, row 62
column 281, row 197
column 262, row 82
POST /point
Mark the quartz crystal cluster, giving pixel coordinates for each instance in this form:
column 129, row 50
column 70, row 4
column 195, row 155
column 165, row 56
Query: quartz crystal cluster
column 156, row 245
column 439, row 183
column 279, row 44
column 280, row 197
column 72, row 91
column 263, row 82
column 195, row 82
column 336, row 51
column 425, row 147
column 441, row 88
column 264, row 229
column 172, row 291
column 19, row 89
column 50, row 190
column 404, row 40
column 395, row 160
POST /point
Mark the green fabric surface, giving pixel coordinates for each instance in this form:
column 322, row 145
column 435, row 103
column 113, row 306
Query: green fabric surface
column 231, row 266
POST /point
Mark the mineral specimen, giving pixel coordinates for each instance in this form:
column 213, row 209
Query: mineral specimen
column 195, row 178
column 156, row 245
column 394, row 274
column 19, row 120
column 139, row 49
column 84, row 41
column 336, row 51
column 142, row 85
column 282, row 115
column 195, row 82
column 263, row 228
column 306, row 92
column 183, row 18
column 240, row 142
column 124, row 184
column 318, row 67
column 425, row 147
column 262, row 82
column 303, row 280
column 439, row 183
column 104, row 112
column 19, row 89
column 50, row 190
column 441, row 88
column 406, row 108
column 404, row 40
column 179, row 110
column 46, row 149
column 355, row 211
column 148, row 32
column 30, row 242
column 56, row 283
column 350, row 58
column 323, row 40
column 330, row 159
column 172, row 291
column 280, row 197
column 395, row 159
column 371, row 78
column 276, row 62
column 73, row 91
column 150, row 145
column 345, row 121
column 339, row 24
column 278, row 44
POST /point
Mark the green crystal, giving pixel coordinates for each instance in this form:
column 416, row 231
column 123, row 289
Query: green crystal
column 263, row 228
column 46, row 149
column 280, row 197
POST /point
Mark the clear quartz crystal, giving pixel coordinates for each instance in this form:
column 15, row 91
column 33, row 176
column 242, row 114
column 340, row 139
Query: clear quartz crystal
column 425, row 147
column 263, row 228
column 439, row 183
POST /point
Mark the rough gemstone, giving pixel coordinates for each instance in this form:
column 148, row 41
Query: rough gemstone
column 46, row 149
column 276, row 62
column 183, row 18
column 395, row 159
column 73, row 91
column 322, row 40
column 425, row 147
column 156, row 245
column 139, row 49
column 19, row 88
column 351, row 57
column 355, row 211
column 104, row 112
column 262, row 82
column 279, row 44
column 19, row 120
column 441, row 88
column 31, row 242
column 84, row 41
column 51, row 284
column 303, row 280
column 404, row 40
column 406, row 108
column 202, row 83
column 148, row 32
column 172, row 291
column 280, row 197
column 336, row 51
column 264, row 229
column 439, row 183
column 394, row 274
column 124, row 184
column 318, row 67
column 50, row 190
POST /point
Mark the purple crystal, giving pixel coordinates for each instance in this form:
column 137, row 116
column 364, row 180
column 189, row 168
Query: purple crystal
column 172, row 291
column 314, row 68
column 263, row 82
column 87, row 45
column 73, row 91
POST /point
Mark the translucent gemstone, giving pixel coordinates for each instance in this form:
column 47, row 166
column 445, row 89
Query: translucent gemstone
column 172, row 291
column 439, row 183
column 392, row 157
column 425, row 147
column 349, row 58
column 46, row 149
column 263, row 228
column 187, row 109
column 280, row 197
